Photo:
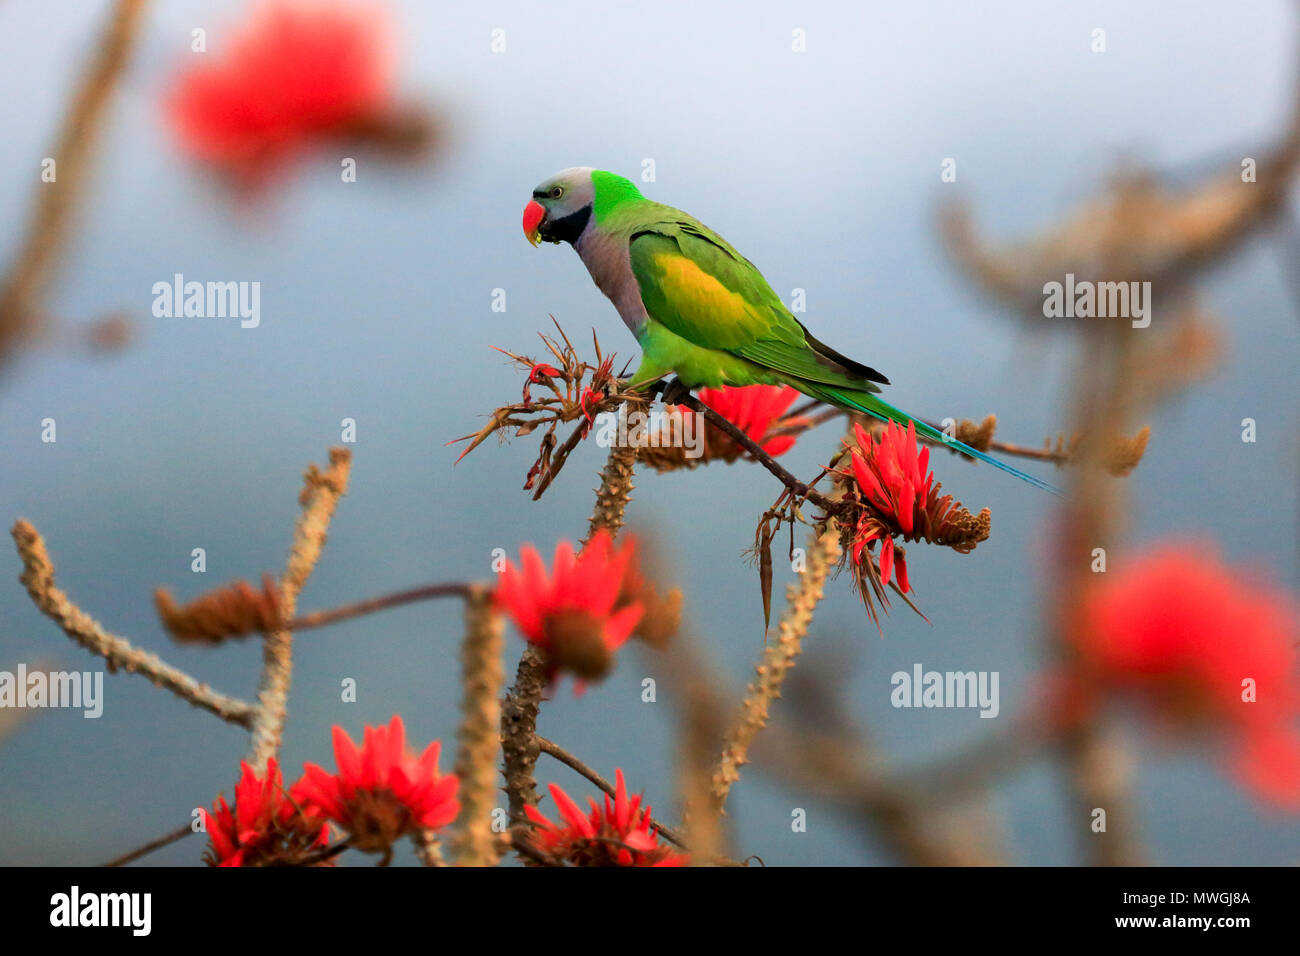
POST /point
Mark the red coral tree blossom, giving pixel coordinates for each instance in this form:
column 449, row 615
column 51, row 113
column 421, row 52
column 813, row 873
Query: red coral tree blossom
column 1207, row 648
column 579, row 614
column 615, row 834
column 893, row 480
column 382, row 790
column 292, row 74
column 893, row 477
column 754, row 409
column 265, row 827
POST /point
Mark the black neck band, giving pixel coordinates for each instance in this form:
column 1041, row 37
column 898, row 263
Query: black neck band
column 569, row 228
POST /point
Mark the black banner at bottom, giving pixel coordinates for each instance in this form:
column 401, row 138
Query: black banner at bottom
column 330, row 905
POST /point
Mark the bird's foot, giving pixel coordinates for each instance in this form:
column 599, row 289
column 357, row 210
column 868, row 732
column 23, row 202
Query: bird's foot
column 674, row 392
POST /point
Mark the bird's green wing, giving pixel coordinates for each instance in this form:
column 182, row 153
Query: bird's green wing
column 696, row 285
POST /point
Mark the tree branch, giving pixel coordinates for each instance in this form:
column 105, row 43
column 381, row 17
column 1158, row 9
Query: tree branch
column 47, row 229
column 320, row 494
column 118, row 652
column 778, row 659
column 474, row 843
column 166, row 840
column 763, row 458
column 382, row 603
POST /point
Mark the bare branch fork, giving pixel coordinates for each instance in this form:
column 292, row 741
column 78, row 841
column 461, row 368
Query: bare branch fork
column 118, row 652
column 320, row 495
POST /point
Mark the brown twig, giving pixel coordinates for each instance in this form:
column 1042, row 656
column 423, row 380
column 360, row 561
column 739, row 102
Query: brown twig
column 320, row 494
column 346, row 612
column 47, row 229
column 166, row 839
column 118, row 652
column 330, row 852
column 796, row 486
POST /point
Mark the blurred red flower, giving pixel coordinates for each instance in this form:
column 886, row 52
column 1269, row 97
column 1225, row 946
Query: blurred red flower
column 580, row 613
column 292, row 74
column 615, row 834
column 382, row 791
column 264, row 827
column 1208, row 648
column 754, row 409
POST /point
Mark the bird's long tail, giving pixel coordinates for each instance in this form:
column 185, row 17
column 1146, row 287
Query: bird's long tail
column 876, row 407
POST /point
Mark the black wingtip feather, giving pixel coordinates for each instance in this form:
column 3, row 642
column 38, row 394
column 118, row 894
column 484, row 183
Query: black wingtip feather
column 846, row 363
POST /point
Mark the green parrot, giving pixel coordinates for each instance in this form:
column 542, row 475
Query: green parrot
column 698, row 307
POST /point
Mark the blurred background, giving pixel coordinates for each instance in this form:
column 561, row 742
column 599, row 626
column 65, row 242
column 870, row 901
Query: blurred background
column 822, row 167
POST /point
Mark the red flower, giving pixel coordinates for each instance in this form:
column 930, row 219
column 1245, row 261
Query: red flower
column 754, row 409
column 893, row 477
column 897, row 496
column 595, row 398
column 615, row 834
column 1208, row 649
column 265, row 826
column 542, row 371
column 580, row 613
column 892, row 473
column 292, row 74
column 539, row 374
column 382, row 791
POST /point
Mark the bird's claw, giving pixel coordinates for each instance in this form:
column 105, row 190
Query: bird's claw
column 674, row 392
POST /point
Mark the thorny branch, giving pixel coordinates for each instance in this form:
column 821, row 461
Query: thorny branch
column 778, row 658
column 519, row 714
column 579, row 391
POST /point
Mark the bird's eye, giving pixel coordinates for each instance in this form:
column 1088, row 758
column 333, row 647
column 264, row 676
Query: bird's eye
column 556, row 192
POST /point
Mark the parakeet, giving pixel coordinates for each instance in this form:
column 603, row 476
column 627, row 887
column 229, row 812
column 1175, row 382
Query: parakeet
column 697, row 307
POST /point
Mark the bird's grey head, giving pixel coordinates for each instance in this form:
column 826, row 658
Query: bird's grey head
column 561, row 207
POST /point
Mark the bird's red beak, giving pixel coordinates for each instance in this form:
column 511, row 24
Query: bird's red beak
column 533, row 216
